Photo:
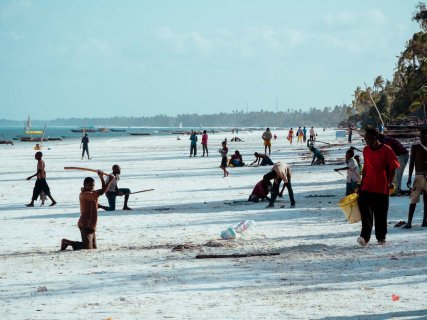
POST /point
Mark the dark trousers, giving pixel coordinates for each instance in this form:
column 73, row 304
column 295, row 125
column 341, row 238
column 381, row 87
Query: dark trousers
column 276, row 189
column 205, row 149
column 373, row 206
column 266, row 162
column 85, row 148
column 349, row 138
column 193, row 149
column 41, row 185
column 111, row 196
column 88, row 240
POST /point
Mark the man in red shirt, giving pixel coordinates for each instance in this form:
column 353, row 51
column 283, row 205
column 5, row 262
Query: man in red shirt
column 88, row 213
column 380, row 163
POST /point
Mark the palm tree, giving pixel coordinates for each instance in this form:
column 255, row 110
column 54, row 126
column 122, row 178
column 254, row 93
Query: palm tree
column 378, row 83
column 420, row 101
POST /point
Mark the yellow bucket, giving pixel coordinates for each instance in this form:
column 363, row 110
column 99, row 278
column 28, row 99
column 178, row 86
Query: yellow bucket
column 350, row 208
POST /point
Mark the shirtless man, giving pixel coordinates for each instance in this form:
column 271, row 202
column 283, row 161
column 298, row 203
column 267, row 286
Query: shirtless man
column 419, row 161
column 267, row 136
column 266, row 161
column 88, row 213
column 41, row 184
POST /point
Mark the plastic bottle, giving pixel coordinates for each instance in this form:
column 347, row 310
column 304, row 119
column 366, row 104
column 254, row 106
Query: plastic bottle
column 244, row 225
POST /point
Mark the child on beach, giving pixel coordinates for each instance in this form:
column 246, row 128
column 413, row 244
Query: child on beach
column 352, row 172
column 41, row 184
column 223, row 151
column 88, row 213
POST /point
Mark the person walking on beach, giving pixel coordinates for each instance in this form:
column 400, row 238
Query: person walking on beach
column 113, row 191
column 193, row 144
column 299, row 135
column 267, row 136
column 41, row 184
column 280, row 172
column 402, row 155
column 352, row 172
column 290, row 135
column 312, row 134
column 223, row 151
column 304, row 131
column 350, row 133
column 85, row 144
column 205, row 143
column 88, row 213
column 419, row 161
column 380, row 163
column 266, row 161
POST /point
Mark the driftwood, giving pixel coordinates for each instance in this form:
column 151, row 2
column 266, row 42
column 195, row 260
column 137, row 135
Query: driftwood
column 219, row 256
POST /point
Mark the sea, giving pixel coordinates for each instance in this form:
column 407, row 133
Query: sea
column 55, row 132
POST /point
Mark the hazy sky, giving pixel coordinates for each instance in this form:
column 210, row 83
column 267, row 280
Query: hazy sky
column 87, row 58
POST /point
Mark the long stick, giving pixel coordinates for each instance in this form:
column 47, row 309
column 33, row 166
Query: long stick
column 375, row 105
column 140, row 191
column 216, row 256
column 322, row 142
column 84, row 169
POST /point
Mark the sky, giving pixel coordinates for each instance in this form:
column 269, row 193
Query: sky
column 63, row 59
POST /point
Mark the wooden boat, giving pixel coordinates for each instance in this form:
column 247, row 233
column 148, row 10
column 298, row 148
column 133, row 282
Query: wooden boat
column 139, row 134
column 6, row 142
column 103, row 129
column 32, row 139
column 117, row 130
column 84, row 129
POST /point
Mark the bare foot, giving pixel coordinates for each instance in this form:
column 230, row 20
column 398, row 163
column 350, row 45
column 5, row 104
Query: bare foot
column 52, row 204
column 29, row 205
column 126, row 208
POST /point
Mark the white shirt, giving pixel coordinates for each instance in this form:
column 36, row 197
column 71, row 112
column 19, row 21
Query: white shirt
column 352, row 171
column 113, row 184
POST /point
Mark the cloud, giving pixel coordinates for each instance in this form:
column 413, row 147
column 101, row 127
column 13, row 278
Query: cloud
column 341, row 19
column 13, row 35
column 247, row 42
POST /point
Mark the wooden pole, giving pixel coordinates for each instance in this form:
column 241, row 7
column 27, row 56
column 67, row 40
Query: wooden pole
column 84, row 169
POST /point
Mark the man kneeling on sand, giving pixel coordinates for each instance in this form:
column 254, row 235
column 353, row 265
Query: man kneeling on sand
column 88, row 213
column 113, row 191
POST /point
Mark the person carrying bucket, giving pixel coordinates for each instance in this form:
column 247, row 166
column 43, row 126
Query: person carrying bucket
column 352, row 172
column 380, row 163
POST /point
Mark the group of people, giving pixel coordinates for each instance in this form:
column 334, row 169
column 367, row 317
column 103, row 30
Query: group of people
column 384, row 160
column 88, row 201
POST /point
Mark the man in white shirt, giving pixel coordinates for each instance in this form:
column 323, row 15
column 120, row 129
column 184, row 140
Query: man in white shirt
column 113, row 191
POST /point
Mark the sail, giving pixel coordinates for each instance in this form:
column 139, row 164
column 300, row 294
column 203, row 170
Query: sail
column 28, row 124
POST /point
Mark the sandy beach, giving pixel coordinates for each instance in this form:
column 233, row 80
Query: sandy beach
column 321, row 272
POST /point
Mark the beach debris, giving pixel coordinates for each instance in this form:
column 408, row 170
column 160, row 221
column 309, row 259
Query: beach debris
column 395, row 297
column 229, row 234
column 236, row 231
column 41, row 289
column 400, row 224
column 393, row 257
column 236, row 255
column 185, row 246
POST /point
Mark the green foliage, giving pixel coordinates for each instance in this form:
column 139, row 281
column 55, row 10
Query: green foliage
column 314, row 117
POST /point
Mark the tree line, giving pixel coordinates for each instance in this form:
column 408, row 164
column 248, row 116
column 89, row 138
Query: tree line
column 328, row 116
